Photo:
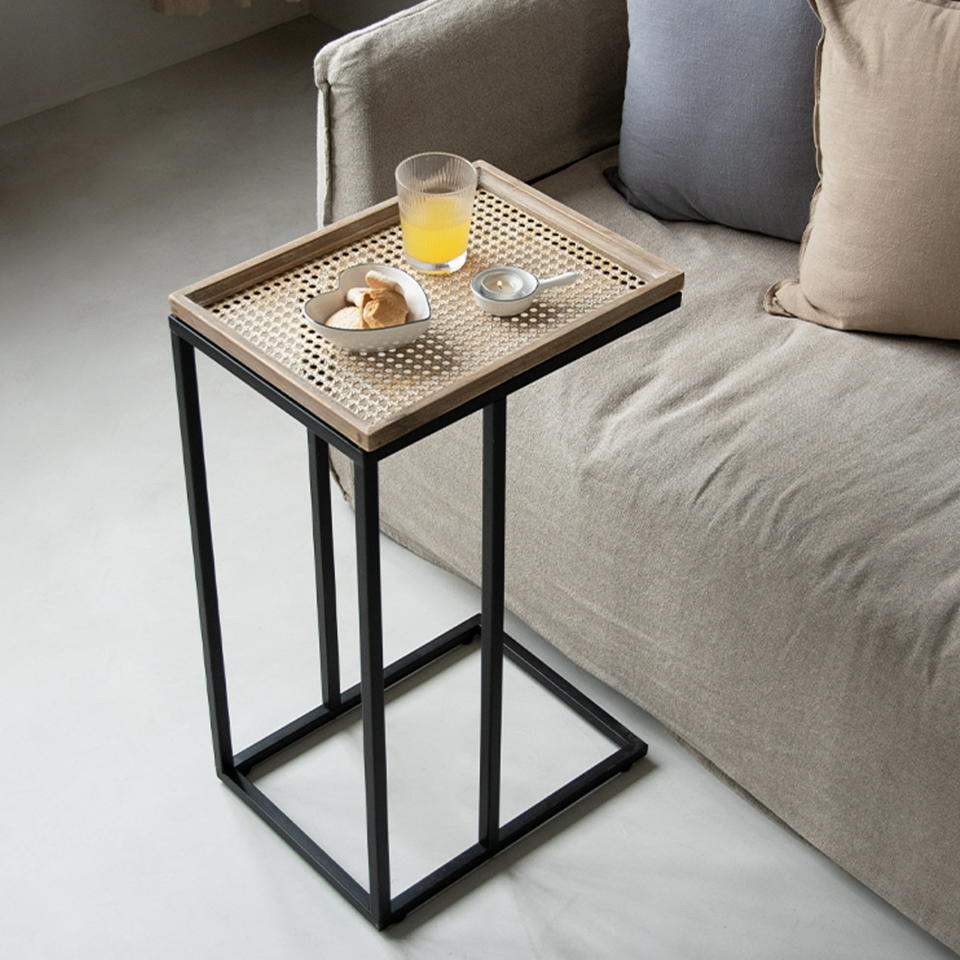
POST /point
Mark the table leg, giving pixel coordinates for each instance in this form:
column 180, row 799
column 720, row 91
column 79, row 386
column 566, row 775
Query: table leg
column 376, row 902
column 491, row 619
column 371, row 685
column 324, row 570
column 188, row 399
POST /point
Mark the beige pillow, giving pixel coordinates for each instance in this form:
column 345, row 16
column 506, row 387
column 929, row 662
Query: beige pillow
column 882, row 249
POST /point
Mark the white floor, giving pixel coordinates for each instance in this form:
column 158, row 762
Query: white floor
column 117, row 840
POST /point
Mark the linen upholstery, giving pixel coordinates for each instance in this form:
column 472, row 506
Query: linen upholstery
column 553, row 76
column 717, row 115
column 883, row 246
column 748, row 527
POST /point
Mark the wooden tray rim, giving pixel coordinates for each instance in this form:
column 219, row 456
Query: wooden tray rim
column 190, row 303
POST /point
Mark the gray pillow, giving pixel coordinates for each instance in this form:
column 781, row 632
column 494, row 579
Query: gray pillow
column 718, row 112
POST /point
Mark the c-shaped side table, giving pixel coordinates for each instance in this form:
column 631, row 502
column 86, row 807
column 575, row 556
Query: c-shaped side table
column 210, row 317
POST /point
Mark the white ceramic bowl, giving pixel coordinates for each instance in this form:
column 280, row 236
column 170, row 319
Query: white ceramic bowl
column 320, row 308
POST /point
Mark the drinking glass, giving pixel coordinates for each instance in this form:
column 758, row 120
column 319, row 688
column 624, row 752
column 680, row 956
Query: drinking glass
column 436, row 198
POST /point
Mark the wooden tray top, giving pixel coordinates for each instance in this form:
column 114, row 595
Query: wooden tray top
column 253, row 310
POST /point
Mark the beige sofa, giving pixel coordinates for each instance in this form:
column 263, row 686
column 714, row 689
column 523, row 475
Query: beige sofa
column 747, row 524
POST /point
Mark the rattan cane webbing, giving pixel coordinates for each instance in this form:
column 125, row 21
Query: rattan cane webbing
column 461, row 337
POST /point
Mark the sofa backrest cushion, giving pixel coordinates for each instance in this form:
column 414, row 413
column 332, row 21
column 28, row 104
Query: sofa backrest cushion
column 718, row 113
column 530, row 85
column 882, row 251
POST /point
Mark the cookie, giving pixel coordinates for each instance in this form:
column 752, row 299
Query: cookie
column 384, row 308
column 358, row 296
column 346, row 318
column 380, row 281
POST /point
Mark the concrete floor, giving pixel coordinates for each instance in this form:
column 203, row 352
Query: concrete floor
column 117, row 840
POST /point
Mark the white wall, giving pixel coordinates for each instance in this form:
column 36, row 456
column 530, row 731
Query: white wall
column 52, row 51
column 350, row 14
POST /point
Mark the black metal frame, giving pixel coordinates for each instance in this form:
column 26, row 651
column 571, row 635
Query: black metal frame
column 376, row 902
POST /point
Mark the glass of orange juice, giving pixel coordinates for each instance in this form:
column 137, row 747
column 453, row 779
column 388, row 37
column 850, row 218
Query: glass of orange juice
column 435, row 191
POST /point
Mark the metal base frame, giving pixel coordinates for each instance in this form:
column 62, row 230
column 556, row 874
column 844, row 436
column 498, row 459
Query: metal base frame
column 375, row 901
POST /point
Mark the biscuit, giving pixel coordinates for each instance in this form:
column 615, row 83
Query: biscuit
column 358, row 296
column 380, row 281
column 384, row 308
column 346, row 318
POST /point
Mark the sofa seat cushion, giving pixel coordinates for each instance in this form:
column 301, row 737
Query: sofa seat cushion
column 750, row 527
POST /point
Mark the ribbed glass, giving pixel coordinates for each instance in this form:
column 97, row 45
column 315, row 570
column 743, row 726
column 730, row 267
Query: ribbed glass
column 436, row 191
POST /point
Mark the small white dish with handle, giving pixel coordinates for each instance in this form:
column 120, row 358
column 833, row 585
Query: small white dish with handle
column 506, row 291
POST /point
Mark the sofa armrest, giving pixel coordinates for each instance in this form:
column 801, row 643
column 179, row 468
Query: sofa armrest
column 530, row 85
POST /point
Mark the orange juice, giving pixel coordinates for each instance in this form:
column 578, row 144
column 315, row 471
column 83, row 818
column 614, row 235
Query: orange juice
column 435, row 228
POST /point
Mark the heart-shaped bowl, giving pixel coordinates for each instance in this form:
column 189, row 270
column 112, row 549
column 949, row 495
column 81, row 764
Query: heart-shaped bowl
column 320, row 308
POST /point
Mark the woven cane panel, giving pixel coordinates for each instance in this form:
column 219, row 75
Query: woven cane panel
column 461, row 338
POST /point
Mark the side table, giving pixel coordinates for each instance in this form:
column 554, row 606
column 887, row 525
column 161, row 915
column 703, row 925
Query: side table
column 369, row 406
